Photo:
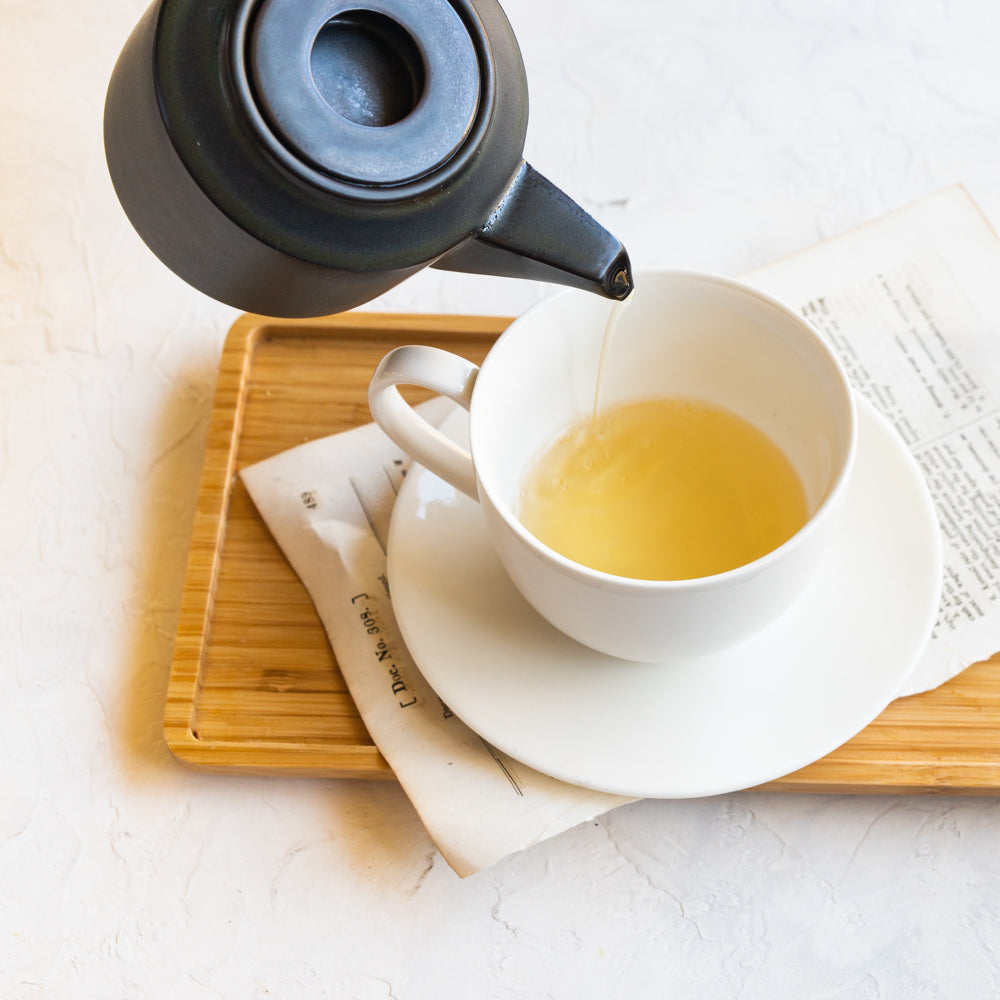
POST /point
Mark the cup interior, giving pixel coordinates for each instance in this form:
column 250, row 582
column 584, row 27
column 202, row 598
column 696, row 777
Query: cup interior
column 684, row 334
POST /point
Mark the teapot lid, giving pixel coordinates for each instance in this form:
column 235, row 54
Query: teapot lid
column 377, row 94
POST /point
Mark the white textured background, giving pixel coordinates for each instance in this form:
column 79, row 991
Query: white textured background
column 711, row 133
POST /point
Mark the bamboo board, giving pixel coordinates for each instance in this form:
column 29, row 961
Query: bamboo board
column 254, row 686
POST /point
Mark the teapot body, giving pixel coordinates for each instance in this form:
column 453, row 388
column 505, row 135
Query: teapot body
column 239, row 150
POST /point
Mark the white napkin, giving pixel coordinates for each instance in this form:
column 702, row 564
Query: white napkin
column 328, row 505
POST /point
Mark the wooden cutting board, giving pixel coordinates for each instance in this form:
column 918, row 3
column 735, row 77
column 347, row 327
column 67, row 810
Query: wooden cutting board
column 254, row 686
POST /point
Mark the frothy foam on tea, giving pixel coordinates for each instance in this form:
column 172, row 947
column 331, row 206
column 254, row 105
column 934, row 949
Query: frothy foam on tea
column 663, row 489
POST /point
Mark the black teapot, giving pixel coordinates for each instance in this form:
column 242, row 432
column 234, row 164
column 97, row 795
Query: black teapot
column 300, row 157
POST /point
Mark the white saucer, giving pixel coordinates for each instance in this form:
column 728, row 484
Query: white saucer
column 767, row 707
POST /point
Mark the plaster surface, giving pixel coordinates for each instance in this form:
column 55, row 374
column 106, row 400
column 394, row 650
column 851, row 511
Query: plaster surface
column 712, row 134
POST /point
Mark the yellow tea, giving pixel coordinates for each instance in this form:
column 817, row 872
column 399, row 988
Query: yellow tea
column 663, row 489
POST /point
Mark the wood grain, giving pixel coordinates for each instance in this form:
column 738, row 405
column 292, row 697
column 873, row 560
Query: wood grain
column 254, row 686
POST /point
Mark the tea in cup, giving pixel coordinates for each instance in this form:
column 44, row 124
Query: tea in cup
column 657, row 491
column 663, row 489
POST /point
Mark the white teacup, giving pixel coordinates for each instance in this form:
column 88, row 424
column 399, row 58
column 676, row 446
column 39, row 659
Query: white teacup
column 686, row 334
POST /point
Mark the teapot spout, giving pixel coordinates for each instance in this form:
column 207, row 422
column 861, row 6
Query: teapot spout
column 536, row 231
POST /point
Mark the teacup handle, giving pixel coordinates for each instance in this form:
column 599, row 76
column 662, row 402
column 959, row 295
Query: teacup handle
column 439, row 371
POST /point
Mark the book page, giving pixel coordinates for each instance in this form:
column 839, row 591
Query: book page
column 911, row 304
